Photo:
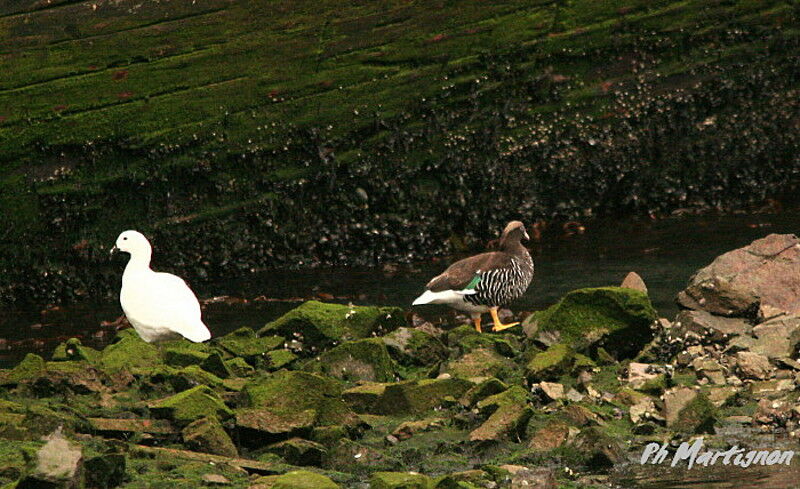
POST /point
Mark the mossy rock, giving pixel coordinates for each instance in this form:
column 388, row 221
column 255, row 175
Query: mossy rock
column 239, row 367
column 420, row 396
column 278, row 359
column 130, row 352
column 191, row 405
column 597, row 449
column 482, row 362
column 400, row 480
column 73, row 350
column 319, row 324
column 105, row 471
column 328, row 436
column 366, row 360
column 288, row 392
column 303, row 479
column 618, row 319
column 29, row 369
column 298, row 451
column 364, row 398
column 215, row 365
column 183, row 358
column 207, row 435
column 465, row 338
column 550, row 364
column 698, row 416
column 507, row 421
column 244, row 343
column 414, row 347
column 486, row 388
column 257, row 427
column 513, row 395
column 191, row 376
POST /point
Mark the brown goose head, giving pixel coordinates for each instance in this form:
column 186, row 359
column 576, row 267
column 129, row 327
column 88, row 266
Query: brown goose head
column 512, row 235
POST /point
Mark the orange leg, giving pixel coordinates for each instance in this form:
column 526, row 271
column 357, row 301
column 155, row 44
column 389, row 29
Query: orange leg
column 476, row 319
column 498, row 326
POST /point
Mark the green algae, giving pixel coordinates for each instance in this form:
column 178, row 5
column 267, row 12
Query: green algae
column 400, row 480
column 191, row 405
column 549, row 364
column 207, row 435
column 302, row 479
column 618, row 319
column 360, row 360
column 321, row 324
column 129, row 352
column 30, row 368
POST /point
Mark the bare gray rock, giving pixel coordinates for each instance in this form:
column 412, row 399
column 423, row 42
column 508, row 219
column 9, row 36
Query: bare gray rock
column 59, row 464
column 702, row 323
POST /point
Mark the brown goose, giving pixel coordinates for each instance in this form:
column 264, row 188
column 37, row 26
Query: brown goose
column 485, row 282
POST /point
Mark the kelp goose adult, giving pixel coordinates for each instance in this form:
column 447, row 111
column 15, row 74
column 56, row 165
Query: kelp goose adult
column 485, row 282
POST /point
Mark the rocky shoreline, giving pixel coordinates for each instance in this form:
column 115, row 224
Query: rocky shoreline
column 332, row 395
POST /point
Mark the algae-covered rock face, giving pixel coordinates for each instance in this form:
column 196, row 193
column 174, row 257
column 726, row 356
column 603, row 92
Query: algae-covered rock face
column 244, row 343
column 421, row 395
column 129, row 352
column 288, row 394
column 317, row 324
column 617, row 319
column 399, row 480
column 303, row 479
column 550, row 364
column 30, row 368
column 356, row 360
column 193, row 404
column 411, row 346
column 207, row 435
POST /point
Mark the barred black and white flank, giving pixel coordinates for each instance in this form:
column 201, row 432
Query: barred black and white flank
column 485, row 282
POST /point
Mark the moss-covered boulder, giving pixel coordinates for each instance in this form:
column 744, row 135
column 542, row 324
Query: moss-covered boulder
column 105, row 471
column 689, row 411
column 618, row 319
column 239, row 367
column 303, row 479
column 364, row 398
column 129, row 352
column 550, row 364
column 29, row 369
column 73, row 350
column 289, row 393
column 207, row 435
column 400, row 480
column 257, row 427
column 278, row 359
column 596, row 448
column 486, row 388
column 317, row 324
column 298, row 451
column 191, row 405
column 465, row 338
column 366, row 359
column 244, row 343
column 481, row 362
column 419, row 396
column 414, row 347
column 187, row 377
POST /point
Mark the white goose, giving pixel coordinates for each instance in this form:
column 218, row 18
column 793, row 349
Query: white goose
column 160, row 306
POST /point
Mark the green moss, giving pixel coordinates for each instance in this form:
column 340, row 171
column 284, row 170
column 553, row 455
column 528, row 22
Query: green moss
column 30, row 368
column 414, row 347
column 207, row 435
column 302, row 479
column 129, row 352
column 698, row 416
column 191, row 405
column 483, row 362
column 366, row 360
column 400, row 480
column 619, row 319
column 364, row 398
column 549, row 364
column 323, row 324
column 420, row 396
column 73, row 350
column 245, row 344
column 286, row 393
column 239, row 367
column 278, row 359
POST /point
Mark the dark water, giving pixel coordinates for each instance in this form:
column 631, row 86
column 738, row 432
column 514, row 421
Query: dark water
column 665, row 253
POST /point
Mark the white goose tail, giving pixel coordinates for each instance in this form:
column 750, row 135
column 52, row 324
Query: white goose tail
column 443, row 297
